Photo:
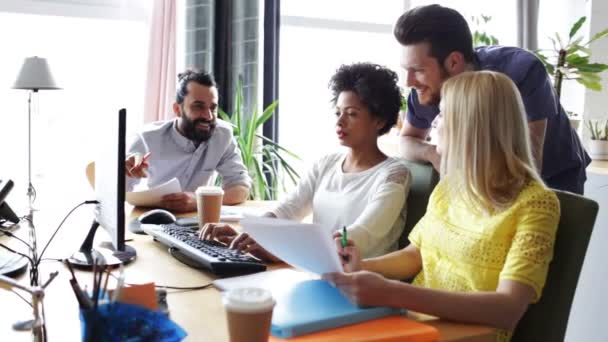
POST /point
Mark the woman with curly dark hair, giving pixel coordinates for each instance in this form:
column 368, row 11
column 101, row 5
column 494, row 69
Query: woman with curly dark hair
column 363, row 189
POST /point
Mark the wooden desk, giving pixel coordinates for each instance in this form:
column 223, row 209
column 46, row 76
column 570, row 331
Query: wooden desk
column 599, row 167
column 200, row 312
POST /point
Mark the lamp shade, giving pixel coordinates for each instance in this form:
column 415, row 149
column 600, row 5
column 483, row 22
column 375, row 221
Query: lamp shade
column 35, row 74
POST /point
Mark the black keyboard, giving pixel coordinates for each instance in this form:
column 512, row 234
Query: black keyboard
column 211, row 255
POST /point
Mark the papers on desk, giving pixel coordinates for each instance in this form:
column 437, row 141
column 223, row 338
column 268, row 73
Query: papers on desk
column 152, row 197
column 305, row 303
column 231, row 213
column 308, row 247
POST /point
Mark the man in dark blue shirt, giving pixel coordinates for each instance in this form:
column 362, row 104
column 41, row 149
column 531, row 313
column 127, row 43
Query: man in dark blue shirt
column 437, row 45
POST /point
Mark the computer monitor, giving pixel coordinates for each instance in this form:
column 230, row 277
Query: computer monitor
column 11, row 264
column 110, row 194
column 6, row 213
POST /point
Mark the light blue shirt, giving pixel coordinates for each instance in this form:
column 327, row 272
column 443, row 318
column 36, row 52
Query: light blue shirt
column 173, row 155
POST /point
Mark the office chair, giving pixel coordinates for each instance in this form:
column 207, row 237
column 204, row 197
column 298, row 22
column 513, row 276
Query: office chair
column 90, row 173
column 547, row 320
column 424, row 179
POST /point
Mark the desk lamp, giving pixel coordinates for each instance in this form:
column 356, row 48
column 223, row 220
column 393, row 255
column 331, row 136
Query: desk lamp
column 34, row 75
column 36, row 325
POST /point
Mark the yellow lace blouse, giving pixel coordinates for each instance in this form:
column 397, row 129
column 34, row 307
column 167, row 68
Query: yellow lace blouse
column 465, row 251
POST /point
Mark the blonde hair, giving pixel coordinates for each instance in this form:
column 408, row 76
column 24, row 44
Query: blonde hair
column 486, row 144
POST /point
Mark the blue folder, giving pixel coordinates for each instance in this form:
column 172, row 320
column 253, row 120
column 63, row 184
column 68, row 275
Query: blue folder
column 314, row 305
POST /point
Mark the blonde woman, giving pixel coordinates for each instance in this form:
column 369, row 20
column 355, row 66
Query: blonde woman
column 482, row 251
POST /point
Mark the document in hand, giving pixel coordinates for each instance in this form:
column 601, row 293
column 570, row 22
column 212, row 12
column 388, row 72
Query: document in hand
column 308, row 247
column 152, row 197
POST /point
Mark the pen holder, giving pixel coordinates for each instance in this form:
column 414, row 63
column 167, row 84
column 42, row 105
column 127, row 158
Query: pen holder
column 127, row 322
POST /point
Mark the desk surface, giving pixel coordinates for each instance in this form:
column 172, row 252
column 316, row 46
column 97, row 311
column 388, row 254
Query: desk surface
column 199, row 312
column 598, row 166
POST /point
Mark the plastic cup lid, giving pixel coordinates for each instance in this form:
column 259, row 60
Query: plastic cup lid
column 209, row 190
column 248, row 300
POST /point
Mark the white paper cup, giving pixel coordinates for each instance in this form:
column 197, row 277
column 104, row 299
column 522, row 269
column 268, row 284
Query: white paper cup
column 208, row 204
column 249, row 313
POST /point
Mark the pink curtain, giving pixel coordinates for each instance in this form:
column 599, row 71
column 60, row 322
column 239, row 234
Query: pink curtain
column 161, row 76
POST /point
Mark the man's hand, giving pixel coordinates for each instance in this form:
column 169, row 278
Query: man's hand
column 136, row 165
column 362, row 288
column 179, row 201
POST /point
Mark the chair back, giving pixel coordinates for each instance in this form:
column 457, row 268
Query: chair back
column 547, row 320
column 424, row 179
column 90, row 173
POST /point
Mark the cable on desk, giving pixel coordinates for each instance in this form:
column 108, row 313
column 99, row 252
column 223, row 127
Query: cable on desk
column 170, row 287
column 59, row 227
column 14, row 251
column 7, row 233
column 22, row 298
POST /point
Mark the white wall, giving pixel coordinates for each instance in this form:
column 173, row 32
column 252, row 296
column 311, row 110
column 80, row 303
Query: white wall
column 595, row 101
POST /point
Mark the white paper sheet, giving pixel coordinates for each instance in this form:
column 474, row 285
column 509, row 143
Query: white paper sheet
column 308, row 247
column 230, row 213
column 152, row 197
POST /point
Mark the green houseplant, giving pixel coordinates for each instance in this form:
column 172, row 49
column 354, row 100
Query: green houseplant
column 480, row 37
column 263, row 157
column 570, row 59
column 598, row 145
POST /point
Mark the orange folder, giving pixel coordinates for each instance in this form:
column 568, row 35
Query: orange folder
column 388, row 329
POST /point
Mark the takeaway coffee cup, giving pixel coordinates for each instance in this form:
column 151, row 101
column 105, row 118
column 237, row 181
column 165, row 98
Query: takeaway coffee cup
column 209, row 204
column 249, row 312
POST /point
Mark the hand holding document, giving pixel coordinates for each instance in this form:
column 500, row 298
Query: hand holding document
column 152, row 197
column 308, row 247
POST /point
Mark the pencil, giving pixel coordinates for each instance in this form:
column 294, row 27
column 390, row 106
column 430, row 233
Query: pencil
column 344, row 238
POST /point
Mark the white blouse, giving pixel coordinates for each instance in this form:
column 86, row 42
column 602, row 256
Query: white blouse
column 371, row 204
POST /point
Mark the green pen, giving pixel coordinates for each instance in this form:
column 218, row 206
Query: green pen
column 344, row 239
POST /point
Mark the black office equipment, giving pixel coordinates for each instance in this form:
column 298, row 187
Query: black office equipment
column 6, row 213
column 157, row 216
column 211, row 255
column 110, row 193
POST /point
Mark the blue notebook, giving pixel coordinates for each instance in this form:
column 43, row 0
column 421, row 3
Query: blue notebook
column 314, row 305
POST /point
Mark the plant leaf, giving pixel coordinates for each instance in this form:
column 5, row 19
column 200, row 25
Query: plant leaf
column 593, row 67
column 593, row 85
column 598, row 36
column 559, row 40
column 577, row 26
column 268, row 112
column 575, row 59
column 269, row 141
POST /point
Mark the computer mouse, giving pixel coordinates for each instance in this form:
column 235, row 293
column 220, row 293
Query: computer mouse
column 157, row 216
column 154, row 216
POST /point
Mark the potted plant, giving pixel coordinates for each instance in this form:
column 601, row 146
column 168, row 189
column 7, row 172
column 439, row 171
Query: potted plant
column 480, row 37
column 263, row 157
column 598, row 145
column 570, row 60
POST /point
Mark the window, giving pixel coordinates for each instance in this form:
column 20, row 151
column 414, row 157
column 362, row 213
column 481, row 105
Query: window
column 316, row 38
column 100, row 64
column 503, row 24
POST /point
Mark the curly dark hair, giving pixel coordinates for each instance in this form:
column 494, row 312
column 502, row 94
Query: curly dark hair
column 197, row 76
column 376, row 87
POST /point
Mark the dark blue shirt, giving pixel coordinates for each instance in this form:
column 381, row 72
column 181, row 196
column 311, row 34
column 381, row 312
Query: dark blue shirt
column 563, row 151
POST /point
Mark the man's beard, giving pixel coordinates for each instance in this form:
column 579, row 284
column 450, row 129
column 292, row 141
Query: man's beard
column 195, row 134
column 435, row 98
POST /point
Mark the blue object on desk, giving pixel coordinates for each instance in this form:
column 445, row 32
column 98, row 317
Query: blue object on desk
column 127, row 322
column 315, row 305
